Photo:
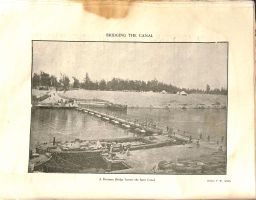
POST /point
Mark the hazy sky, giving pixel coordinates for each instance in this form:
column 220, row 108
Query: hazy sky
column 190, row 65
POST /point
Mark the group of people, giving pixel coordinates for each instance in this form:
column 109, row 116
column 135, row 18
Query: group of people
column 171, row 132
column 146, row 123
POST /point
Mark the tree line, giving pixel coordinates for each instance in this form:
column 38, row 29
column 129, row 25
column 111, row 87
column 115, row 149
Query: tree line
column 44, row 80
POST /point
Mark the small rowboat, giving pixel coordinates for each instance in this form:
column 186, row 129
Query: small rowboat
column 116, row 122
column 126, row 125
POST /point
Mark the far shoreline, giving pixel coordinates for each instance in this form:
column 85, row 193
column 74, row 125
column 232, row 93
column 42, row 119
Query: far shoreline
column 171, row 101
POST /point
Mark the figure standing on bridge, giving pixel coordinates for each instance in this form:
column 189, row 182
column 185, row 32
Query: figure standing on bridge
column 197, row 143
column 222, row 139
column 220, row 148
column 111, row 148
column 128, row 150
column 208, row 138
column 170, row 131
column 190, row 138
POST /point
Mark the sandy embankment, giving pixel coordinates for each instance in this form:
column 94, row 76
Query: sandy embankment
column 152, row 100
column 54, row 97
column 146, row 99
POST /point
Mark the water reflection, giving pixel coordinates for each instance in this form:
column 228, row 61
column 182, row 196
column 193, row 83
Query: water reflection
column 70, row 124
column 194, row 122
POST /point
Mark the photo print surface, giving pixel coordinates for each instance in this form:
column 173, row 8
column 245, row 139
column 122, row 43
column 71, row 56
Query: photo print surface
column 129, row 107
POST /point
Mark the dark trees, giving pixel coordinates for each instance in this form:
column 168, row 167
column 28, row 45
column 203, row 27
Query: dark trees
column 116, row 84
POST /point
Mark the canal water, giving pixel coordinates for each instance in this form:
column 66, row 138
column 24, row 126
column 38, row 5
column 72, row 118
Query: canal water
column 208, row 122
column 68, row 125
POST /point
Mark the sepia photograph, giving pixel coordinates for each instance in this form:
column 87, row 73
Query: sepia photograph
column 121, row 107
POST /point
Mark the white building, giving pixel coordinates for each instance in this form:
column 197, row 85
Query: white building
column 183, row 93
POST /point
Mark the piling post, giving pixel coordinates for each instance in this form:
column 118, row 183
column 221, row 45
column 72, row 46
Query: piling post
column 53, row 142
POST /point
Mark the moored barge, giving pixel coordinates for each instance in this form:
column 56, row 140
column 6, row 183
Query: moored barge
column 79, row 154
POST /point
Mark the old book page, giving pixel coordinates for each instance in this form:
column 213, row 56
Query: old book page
column 127, row 99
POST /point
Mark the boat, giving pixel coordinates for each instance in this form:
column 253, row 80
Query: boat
column 95, row 147
column 126, row 125
column 37, row 163
column 115, row 122
column 117, row 107
column 79, row 154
